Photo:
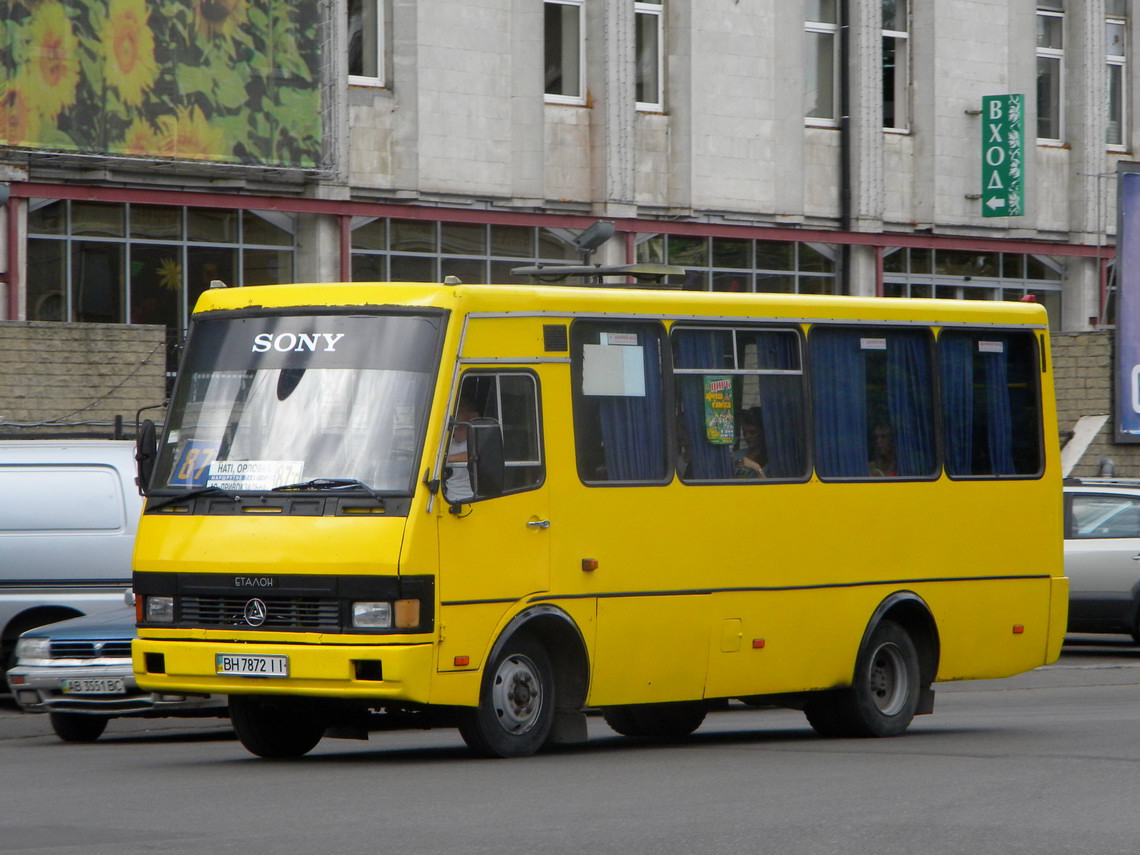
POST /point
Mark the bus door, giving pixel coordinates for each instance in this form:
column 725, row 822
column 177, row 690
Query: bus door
column 495, row 548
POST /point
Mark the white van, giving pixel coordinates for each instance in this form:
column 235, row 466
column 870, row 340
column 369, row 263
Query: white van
column 69, row 511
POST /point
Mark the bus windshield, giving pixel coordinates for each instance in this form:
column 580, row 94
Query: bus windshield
column 268, row 402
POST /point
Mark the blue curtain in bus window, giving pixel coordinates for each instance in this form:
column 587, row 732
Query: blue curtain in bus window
column 782, row 413
column 957, row 375
column 999, row 422
column 633, row 428
column 839, row 399
column 701, row 350
column 910, row 403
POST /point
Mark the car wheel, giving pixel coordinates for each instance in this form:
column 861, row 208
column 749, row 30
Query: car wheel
column 882, row 700
column 275, row 728
column 77, row 727
column 516, row 703
column 662, row 722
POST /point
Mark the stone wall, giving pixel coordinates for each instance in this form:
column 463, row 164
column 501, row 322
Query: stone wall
column 1083, row 374
column 72, row 380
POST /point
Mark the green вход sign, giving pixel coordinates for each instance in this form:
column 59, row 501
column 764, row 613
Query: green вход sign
column 1003, row 155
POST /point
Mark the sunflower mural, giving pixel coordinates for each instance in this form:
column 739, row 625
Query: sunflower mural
column 230, row 81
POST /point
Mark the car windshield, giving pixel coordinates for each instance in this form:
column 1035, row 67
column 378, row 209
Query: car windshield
column 265, row 402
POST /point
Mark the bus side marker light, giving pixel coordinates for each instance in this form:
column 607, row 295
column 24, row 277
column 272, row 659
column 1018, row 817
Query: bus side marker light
column 1018, row 629
column 589, row 565
column 758, row 644
column 462, row 661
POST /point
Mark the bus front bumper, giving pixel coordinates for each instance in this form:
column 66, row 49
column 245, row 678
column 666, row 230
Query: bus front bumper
column 396, row 672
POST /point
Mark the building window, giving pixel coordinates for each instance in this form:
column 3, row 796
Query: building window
column 896, row 65
column 649, row 18
column 743, row 264
column 366, row 42
column 102, row 262
column 821, row 65
column 565, row 51
column 393, row 250
column 1050, row 69
column 956, row 274
column 1116, row 52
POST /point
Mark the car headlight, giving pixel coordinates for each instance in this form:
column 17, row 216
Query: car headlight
column 159, row 610
column 33, row 648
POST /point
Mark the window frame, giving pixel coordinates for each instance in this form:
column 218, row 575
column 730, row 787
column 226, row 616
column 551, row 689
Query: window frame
column 814, row 31
column 1118, row 63
column 1055, row 56
column 654, row 9
column 900, row 77
column 378, row 11
column 578, row 100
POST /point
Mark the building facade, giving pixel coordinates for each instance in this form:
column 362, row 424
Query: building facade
column 815, row 146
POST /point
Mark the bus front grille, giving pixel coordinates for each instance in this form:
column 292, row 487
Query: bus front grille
column 282, row 613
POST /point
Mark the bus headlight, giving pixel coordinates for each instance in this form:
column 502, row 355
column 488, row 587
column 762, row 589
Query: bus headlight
column 372, row 615
column 159, row 610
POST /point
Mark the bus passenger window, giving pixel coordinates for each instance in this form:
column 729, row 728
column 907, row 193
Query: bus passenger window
column 619, row 402
column 991, row 412
column 873, row 402
column 740, row 402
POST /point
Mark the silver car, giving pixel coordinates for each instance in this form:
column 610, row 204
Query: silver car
column 1102, row 555
column 79, row 672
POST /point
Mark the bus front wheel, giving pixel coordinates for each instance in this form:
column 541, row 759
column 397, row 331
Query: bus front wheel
column 275, row 728
column 516, row 703
column 884, row 696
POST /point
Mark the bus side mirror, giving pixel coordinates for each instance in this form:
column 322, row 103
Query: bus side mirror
column 146, row 451
column 485, row 457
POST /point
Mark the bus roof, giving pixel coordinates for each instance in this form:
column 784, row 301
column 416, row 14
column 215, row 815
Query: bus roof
column 565, row 300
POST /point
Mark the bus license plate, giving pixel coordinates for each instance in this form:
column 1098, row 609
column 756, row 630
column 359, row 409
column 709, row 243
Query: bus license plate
column 85, row 686
column 244, row 665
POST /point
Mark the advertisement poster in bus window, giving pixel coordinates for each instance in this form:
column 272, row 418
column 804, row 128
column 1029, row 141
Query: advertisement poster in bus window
column 720, row 428
column 1128, row 304
column 228, row 81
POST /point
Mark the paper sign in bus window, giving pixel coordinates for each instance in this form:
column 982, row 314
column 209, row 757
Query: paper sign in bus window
column 613, row 370
column 254, row 474
column 720, row 426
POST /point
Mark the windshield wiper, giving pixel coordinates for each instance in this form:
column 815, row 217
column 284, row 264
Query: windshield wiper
column 331, row 484
column 190, row 494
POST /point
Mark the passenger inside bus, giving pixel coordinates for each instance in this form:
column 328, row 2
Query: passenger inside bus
column 750, row 462
column 883, row 463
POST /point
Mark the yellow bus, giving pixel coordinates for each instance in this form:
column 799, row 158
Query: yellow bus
column 500, row 507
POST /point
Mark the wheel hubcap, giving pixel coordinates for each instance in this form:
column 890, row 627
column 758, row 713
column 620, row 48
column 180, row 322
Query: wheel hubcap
column 517, row 694
column 887, row 680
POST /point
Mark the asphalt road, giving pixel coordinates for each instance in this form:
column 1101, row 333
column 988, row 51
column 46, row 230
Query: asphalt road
column 1047, row 762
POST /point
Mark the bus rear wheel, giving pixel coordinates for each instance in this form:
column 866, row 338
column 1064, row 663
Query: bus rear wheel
column 663, row 722
column 884, row 696
column 516, row 703
column 275, row 728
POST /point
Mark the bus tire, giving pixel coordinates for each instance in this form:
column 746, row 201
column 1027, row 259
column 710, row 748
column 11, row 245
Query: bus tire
column 78, row 727
column 275, row 728
column 516, row 703
column 884, row 696
column 660, row 722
